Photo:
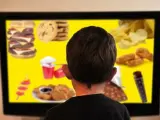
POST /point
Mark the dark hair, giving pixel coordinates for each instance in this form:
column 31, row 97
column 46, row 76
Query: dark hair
column 91, row 54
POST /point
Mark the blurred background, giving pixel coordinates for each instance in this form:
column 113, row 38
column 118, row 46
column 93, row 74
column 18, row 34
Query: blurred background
column 75, row 5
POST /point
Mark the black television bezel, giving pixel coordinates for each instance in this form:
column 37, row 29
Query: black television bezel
column 39, row 109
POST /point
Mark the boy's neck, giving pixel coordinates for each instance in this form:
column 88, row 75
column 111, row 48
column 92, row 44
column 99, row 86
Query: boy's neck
column 80, row 93
column 82, row 89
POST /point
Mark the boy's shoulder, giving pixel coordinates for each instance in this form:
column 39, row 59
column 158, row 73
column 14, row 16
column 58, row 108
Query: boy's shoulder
column 93, row 104
column 53, row 112
column 110, row 104
column 105, row 103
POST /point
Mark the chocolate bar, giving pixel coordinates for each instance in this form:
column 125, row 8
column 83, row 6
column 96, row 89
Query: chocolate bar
column 140, row 85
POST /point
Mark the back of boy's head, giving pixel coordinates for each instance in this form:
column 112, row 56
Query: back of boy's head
column 91, row 54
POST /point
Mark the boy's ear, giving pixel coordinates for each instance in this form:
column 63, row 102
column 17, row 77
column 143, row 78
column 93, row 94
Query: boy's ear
column 66, row 71
column 114, row 71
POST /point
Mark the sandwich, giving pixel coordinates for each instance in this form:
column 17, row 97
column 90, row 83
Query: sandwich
column 21, row 49
column 21, row 37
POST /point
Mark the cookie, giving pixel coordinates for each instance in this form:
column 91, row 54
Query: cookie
column 61, row 38
column 61, row 21
column 62, row 30
column 62, row 34
column 47, row 30
column 62, row 24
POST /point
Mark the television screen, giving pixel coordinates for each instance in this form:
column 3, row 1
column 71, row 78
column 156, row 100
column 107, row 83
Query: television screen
column 36, row 53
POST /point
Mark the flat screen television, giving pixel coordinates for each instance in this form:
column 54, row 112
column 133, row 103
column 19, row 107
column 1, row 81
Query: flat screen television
column 34, row 52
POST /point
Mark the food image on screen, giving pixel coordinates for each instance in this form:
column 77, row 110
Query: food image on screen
column 53, row 30
column 49, row 70
column 114, row 92
column 132, row 32
column 22, row 87
column 21, row 38
column 53, row 93
column 62, row 30
column 144, row 54
column 48, row 67
column 139, row 82
column 47, row 30
column 135, row 59
column 42, row 45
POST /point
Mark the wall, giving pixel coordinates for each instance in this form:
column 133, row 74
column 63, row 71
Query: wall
column 76, row 5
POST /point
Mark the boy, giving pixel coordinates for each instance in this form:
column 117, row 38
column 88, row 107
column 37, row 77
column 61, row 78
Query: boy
column 91, row 54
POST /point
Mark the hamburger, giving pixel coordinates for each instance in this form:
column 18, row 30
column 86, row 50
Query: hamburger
column 20, row 24
column 21, row 49
column 21, row 38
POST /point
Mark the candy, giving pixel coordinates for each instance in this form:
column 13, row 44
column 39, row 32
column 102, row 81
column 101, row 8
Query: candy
column 140, row 85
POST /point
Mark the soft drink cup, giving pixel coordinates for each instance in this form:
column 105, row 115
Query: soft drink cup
column 48, row 71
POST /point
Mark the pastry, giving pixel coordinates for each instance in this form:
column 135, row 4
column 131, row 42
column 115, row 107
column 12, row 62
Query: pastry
column 114, row 92
column 54, row 93
column 47, row 30
column 62, row 92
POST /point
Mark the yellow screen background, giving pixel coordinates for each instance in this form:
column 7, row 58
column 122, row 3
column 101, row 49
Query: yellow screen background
column 19, row 68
